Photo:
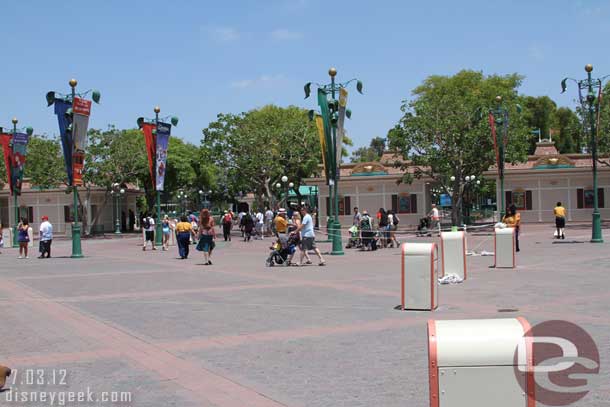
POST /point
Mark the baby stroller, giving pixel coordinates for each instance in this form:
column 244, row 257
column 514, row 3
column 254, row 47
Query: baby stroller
column 354, row 238
column 284, row 247
column 423, row 229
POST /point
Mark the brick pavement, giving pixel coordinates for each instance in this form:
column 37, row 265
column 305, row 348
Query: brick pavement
column 176, row 332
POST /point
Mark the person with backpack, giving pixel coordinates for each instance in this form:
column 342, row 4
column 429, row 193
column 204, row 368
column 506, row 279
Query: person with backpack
column 366, row 232
column 382, row 217
column 227, row 224
column 392, row 227
column 148, row 225
column 247, row 225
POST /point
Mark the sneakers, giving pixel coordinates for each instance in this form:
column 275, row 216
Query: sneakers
column 20, row 257
column 563, row 237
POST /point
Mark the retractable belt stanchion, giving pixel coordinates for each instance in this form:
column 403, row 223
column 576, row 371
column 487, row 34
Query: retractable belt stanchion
column 419, row 273
column 480, row 363
column 453, row 254
column 504, row 248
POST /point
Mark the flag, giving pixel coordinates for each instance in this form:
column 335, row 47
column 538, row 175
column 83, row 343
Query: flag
column 340, row 126
column 19, row 153
column 163, row 131
column 81, row 109
column 150, row 139
column 320, row 126
column 65, row 120
column 330, row 157
column 492, row 124
column 5, row 141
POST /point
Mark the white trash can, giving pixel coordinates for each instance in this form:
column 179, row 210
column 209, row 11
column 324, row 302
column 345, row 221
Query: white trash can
column 472, row 363
column 419, row 274
column 504, row 248
column 453, row 254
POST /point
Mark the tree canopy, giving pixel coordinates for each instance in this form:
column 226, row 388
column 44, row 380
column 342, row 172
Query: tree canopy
column 440, row 135
column 371, row 153
column 251, row 151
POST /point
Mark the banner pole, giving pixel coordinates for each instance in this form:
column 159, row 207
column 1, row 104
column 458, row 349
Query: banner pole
column 76, row 246
column 158, row 227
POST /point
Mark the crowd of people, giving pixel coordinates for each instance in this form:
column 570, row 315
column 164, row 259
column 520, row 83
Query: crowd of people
column 368, row 233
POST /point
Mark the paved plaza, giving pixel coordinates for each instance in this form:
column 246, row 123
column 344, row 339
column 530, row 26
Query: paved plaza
column 237, row 333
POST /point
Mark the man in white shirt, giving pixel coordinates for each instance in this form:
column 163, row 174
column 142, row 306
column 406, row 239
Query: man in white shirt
column 259, row 225
column 269, row 222
column 308, row 237
column 148, row 224
column 46, row 238
column 434, row 219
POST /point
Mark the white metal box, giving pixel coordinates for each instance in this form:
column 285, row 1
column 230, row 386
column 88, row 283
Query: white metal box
column 504, row 248
column 453, row 254
column 472, row 363
column 419, row 273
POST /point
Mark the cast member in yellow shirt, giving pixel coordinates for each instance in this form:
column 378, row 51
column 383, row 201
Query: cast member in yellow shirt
column 560, row 220
column 512, row 219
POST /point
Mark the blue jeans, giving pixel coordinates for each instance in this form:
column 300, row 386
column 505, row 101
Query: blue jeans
column 183, row 240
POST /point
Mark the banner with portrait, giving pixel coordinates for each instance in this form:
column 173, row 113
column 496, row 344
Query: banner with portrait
column 163, row 132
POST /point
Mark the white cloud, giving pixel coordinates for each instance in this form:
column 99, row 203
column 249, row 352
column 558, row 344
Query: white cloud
column 282, row 34
column 261, row 80
column 224, row 34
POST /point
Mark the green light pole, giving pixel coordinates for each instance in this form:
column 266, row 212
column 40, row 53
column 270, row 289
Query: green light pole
column 16, row 189
column 333, row 113
column 498, row 119
column 591, row 104
column 118, row 192
column 141, row 122
column 66, row 125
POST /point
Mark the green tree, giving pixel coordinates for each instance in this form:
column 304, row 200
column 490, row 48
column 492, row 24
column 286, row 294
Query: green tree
column 440, row 135
column 45, row 163
column 371, row 153
column 539, row 114
column 603, row 134
column 569, row 139
column 252, row 151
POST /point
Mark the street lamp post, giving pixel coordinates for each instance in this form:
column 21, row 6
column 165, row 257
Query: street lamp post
column 331, row 131
column 118, row 192
column 15, row 197
column 157, row 156
column 73, row 137
column 591, row 103
column 498, row 117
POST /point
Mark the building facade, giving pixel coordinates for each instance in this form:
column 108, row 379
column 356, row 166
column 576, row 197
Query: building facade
column 548, row 177
column 373, row 185
column 57, row 205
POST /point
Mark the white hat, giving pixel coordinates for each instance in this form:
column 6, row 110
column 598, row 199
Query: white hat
column 281, row 210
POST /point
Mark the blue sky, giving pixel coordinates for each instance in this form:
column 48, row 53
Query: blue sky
column 198, row 58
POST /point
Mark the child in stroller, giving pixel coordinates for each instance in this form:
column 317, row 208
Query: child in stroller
column 354, row 238
column 423, row 229
column 283, row 250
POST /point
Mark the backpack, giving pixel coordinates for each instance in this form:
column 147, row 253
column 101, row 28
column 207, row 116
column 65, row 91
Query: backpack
column 395, row 219
column 227, row 218
column 146, row 223
column 365, row 223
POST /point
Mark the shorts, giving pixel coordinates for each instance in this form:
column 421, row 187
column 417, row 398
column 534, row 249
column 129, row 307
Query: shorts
column 150, row 235
column 308, row 243
column 560, row 222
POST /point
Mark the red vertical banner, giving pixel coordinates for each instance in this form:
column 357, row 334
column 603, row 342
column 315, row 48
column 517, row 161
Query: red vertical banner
column 5, row 141
column 151, row 148
column 492, row 124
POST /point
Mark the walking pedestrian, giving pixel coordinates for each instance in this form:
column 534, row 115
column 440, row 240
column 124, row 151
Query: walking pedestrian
column 207, row 235
column 308, row 237
column 280, row 221
column 148, row 224
column 382, row 218
column 512, row 219
column 260, row 221
column 392, row 227
column 268, row 222
column 227, row 224
column 434, row 219
column 296, row 223
column 560, row 220
column 247, row 224
column 166, row 228
column 184, row 230
column 46, row 238
column 23, row 238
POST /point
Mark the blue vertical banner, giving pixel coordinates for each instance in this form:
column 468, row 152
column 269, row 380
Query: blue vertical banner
column 163, row 132
column 65, row 120
column 20, row 144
